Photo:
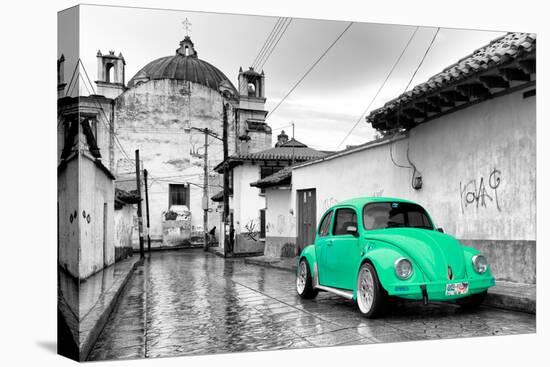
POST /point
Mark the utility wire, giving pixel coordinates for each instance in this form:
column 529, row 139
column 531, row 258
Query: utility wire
column 422, row 60
column 266, row 41
column 381, row 87
column 309, row 70
column 261, row 64
column 108, row 124
column 270, row 42
column 111, row 127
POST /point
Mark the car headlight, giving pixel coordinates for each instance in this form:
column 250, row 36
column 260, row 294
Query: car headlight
column 480, row 264
column 403, row 268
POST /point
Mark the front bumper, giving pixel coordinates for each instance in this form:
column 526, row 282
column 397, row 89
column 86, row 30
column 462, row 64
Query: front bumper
column 436, row 290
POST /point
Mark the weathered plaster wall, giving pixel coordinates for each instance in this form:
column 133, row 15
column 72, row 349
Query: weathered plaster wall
column 68, row 218
column 478, row 169
column 124, row 227
column 247, row 203
column 153, row 117
column 100, row 108
column 280, row 223
column 96, row 189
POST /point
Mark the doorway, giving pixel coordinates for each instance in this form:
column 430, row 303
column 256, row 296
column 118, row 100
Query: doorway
column 307, row 217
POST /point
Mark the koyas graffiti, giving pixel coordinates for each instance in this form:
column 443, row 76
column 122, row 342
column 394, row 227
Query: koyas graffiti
column 481, row 194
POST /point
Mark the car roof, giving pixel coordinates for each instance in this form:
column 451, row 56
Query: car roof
column 359, row 202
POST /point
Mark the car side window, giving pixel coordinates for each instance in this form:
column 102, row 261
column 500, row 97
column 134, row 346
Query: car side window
column 345, row 217
column 324, row 228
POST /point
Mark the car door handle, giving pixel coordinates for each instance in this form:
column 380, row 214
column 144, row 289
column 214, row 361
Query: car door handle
column 329, row 243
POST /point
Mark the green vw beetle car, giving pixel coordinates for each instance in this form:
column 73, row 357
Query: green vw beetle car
column 372, row 248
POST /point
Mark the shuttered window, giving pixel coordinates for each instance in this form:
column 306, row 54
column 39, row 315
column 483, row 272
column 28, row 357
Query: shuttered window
column 178, row 194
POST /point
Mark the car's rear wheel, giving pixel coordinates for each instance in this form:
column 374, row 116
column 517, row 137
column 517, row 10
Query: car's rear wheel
column 304, row 282
column 473, row 301
column 370, row 295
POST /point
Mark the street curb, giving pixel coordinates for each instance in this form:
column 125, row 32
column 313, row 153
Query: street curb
column 273, row 265
column 512, row 303
column 494, row 299
column 99, row 325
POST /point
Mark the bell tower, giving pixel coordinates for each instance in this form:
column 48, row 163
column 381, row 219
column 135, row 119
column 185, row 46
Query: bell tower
column 110, row 74
column 254, row 133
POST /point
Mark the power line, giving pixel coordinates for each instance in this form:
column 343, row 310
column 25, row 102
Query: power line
column 309, row 70
column 69, row 86
column 108, row 124
column 111, row 127
column 379, row 89
column 423, row 58
column 266, row 41
column 281, row 34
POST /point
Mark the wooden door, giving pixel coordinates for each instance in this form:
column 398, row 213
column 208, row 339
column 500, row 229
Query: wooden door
column 307, row 217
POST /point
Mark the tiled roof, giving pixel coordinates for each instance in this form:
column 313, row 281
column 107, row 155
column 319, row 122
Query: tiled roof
column 485, row 62
column 128, row 197
column 294, row 143
column 283, row 153
column 280, row 177
column 217, row 197
column 298, row 154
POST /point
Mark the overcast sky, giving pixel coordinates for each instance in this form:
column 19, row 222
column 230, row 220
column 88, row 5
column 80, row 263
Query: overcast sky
column 332, row 97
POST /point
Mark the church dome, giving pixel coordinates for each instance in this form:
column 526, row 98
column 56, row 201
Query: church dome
column 185, row 66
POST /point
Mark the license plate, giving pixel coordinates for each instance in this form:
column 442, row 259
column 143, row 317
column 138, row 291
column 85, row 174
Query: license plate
column 455, row 289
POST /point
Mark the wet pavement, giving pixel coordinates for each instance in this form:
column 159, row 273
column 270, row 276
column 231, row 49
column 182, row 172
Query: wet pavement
column 191, row 302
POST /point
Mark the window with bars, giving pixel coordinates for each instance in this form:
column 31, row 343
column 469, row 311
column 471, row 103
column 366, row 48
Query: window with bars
column 178, row 194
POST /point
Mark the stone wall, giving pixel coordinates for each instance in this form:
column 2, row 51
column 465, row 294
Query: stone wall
column 155, row 118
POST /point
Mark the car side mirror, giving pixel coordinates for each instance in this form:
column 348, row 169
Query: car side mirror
column 352, row 230
column 440, row 230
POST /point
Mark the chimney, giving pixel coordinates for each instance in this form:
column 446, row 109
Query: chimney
column 282, row 138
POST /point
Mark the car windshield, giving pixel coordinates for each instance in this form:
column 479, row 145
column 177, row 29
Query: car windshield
column 395, row 214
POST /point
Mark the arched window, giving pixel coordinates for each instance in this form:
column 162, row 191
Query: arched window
column 186, row 50
column 251, row 90
column 109, row 73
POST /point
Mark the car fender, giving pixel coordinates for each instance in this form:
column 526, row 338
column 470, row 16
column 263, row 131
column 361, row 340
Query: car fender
column 383, row 256
column 469, row 253
column 309, row 254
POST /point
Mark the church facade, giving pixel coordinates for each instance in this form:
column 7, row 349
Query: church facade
column 160, row 111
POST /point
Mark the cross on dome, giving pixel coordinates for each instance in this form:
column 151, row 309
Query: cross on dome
column 187, row 25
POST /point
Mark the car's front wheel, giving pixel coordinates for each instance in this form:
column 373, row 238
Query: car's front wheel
column 370, row 294
column 304, row 282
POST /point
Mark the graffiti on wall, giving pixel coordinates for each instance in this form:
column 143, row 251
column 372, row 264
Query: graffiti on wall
column 251, row 230
column 327, row 203
column 481, row 192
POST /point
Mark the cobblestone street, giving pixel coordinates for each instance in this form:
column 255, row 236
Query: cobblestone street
column 191, row 302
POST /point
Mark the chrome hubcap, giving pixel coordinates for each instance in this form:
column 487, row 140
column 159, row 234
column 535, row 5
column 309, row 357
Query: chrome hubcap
column 301, row 278
column 365, row 290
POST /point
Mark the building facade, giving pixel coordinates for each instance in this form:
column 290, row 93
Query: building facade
column 248, row 217
column 462, row 145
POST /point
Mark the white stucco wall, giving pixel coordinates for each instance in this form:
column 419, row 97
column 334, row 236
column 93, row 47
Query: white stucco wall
column 490, row 141
column 279, row 221
column 68, row 218
column 478, row 168
column 247, row 200
column 96, row 189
